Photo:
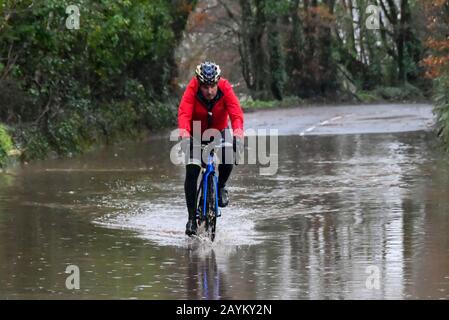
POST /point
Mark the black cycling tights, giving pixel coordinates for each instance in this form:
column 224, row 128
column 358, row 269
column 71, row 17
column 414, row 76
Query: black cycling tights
column 191, row 182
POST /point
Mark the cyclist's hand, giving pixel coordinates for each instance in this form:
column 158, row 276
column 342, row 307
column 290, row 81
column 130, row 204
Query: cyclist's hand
column 185, row 145
column 187, row 142
column 238, row 149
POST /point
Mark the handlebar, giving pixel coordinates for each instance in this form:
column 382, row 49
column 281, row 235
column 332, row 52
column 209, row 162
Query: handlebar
column 216, row 145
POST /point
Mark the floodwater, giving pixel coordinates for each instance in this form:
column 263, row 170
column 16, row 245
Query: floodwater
column 346, row 216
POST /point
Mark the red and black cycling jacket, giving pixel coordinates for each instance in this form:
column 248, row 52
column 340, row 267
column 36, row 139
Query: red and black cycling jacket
column 226, row 105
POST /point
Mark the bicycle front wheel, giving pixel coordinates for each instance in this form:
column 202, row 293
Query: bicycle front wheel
column 211, row 214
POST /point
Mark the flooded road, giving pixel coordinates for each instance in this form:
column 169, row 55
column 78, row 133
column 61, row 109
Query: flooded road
column 347, row 216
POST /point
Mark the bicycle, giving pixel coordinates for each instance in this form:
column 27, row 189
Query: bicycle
column 207, row 209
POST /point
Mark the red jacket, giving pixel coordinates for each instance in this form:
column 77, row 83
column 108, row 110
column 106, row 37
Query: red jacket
column 192, row 109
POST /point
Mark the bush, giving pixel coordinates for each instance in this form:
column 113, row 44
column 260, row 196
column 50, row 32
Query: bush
column 368, row 96
column 406, row 92
column 64, row 89
column 34, row 142
column 257, row 104
column 287, row 102
column 5, row 145
column 441, row 99
column 67, row 136
column 160, row 114
column 290, row 101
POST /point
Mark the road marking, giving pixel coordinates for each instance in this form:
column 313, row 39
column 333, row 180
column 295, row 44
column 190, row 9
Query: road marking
column 310, row 129
column 321, row 123
column 336, row 118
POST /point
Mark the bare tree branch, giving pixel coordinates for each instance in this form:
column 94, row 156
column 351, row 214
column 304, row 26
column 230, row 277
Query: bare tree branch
column 229, row 12
column 228, row 26
column 387, row 14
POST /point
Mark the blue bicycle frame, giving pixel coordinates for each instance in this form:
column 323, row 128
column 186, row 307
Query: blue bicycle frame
column 210, row 170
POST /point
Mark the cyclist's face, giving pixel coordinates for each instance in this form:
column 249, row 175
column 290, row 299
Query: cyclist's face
column 209, row 91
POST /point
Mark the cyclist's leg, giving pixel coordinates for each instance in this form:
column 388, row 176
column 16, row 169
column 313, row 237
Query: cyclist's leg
column 226, row 155
column 224, row 172
column 190, row 187
column 193, row 170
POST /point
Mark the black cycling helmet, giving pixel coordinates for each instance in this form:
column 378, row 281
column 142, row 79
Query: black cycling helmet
column 208, row 72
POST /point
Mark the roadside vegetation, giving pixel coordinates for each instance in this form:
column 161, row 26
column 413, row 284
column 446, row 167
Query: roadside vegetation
column 437, row 62
column 64, row 91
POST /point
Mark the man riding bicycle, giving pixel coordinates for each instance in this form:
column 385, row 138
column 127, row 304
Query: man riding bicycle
column 210, row 101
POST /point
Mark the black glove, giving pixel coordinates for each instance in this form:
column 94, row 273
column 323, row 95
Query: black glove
column 185, row 144
column 238, row 147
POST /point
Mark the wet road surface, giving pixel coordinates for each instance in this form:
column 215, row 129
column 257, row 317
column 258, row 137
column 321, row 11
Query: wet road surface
column 342, row 212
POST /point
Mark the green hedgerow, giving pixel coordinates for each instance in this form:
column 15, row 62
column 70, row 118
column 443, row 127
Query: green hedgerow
column 5, row 145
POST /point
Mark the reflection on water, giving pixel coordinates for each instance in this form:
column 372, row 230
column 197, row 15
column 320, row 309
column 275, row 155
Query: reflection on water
column 205, row 280
column 338, row 206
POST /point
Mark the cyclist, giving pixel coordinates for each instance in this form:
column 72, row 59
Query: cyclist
column 209, row 99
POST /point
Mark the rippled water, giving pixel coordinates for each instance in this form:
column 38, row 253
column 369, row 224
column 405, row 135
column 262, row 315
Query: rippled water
column 338, row 207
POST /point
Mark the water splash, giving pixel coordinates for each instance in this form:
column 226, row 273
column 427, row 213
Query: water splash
column 165, row 225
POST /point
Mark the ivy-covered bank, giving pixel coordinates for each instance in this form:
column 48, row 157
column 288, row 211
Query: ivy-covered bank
column 5, row 144
column 69, row 81
column 441, row 99
column 437, row 62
